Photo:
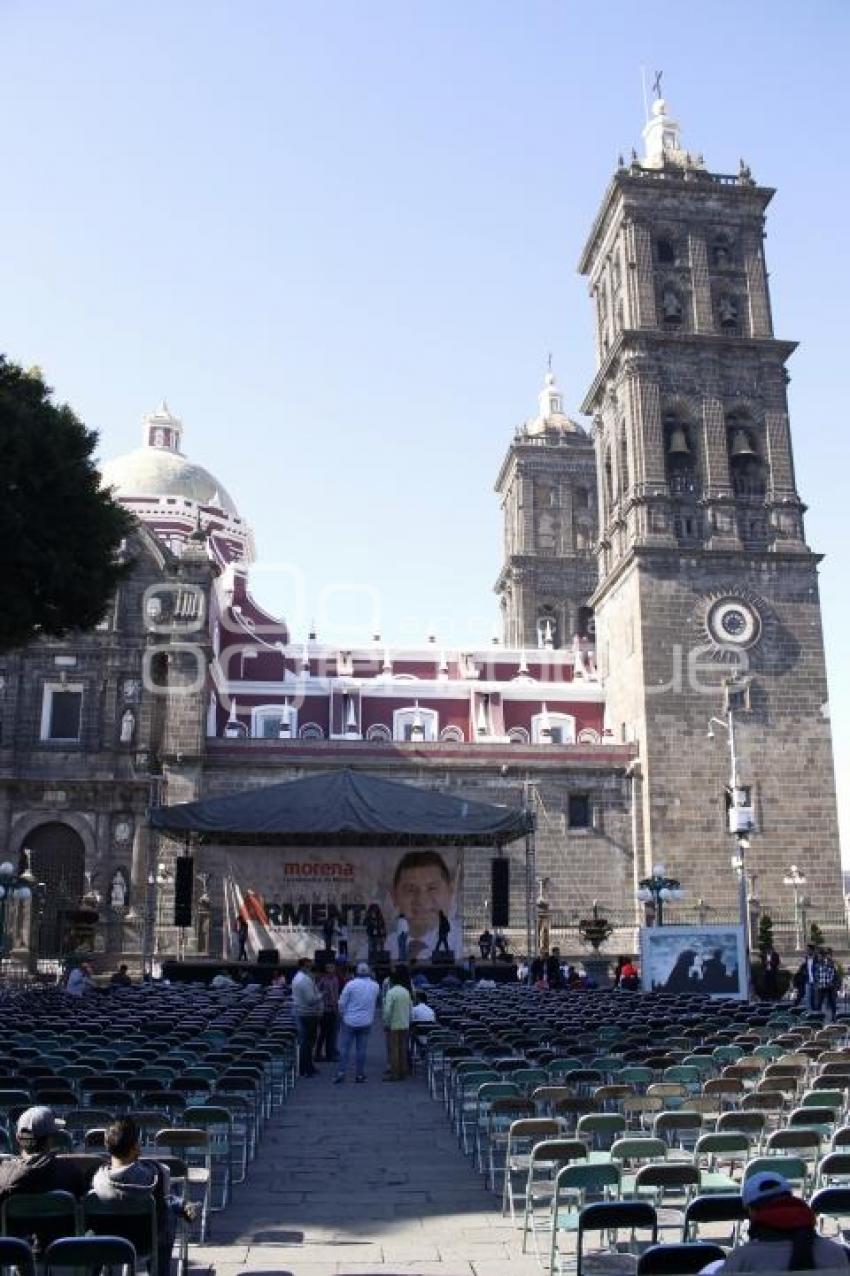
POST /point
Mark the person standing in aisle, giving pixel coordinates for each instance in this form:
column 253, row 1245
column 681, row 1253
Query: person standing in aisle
column 307, row 1004
column 397, row 1008
column 357, row 1003
column 402, row 934
column 329, row 986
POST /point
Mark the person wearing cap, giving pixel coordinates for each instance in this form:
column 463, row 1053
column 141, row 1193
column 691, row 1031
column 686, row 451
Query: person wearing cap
column 783, row 1237
column 38, row 1169
column 357, row 1003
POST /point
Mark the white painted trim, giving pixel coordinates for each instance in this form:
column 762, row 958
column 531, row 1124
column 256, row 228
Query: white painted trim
column 564, row 720
column 261, row 711
column 408, row 713
column 378, row 689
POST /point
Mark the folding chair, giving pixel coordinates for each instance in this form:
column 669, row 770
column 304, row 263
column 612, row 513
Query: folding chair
column 679, row 1130
column 16, row 1253
column 218, row 1124
column 193, row 1147
column 834, row 1203
column 678, row 1260
column 90, row 1254
column 600, row 1130
column 609, row 1218
column 834, row 1170
column 45, row 1215
column 793, row 1168
column 503, row 1113
column 544, row 1163
column 522, row 1136
column 575, row 1185
column 722, row 1207
column 671, row 1187
column 132, row 1218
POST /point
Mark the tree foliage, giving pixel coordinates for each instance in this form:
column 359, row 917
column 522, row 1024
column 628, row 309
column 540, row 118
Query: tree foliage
column 765, row 936
column 60, row 533
column 816, row 936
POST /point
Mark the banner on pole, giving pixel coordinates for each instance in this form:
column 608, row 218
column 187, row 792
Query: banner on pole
column 294, row 899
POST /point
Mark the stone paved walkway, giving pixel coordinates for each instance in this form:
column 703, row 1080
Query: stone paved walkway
column 356, row 1179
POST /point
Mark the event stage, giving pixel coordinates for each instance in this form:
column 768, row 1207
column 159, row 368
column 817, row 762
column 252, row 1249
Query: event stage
column 204, row 969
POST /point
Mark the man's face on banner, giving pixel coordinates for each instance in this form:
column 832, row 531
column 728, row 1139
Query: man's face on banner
column 420, row 893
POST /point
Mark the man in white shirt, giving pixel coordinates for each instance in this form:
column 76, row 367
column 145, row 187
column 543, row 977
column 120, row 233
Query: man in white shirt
column 357, row 1003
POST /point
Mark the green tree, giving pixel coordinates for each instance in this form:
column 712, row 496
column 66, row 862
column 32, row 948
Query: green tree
column 765, row 937
column 816, row 936
column 59, row 531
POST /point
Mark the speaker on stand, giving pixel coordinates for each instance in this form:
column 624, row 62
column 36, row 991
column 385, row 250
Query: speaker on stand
column 500, row 892
column 184, row 876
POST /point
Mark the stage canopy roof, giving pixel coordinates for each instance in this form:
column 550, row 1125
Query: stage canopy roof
column 343, row 808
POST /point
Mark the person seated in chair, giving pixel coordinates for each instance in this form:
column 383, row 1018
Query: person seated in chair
column 38, row 1168
column 128, row 1177
column 783, row 1233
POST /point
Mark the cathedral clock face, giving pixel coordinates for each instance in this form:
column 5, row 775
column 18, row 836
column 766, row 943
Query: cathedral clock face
column 734, row 622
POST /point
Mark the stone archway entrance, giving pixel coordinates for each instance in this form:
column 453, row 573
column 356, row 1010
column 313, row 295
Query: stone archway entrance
column 59, row 860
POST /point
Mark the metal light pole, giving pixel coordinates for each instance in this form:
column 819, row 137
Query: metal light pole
column 659, row 888
column 13, row 886
column 740, row 820
column 796, row 880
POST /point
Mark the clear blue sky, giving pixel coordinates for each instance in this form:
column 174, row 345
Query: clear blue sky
column 341, row 238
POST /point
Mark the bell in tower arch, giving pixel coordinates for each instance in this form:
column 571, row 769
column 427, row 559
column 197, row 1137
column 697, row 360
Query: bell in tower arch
column 678, row 442
column 741, row 445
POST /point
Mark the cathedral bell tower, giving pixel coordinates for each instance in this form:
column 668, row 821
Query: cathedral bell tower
column 547, row 487
column 707, row 588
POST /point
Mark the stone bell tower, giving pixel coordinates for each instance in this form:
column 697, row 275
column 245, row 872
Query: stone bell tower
column 706, row 578
column 547, row 487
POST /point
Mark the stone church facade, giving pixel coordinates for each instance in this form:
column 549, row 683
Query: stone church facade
column 656, row 579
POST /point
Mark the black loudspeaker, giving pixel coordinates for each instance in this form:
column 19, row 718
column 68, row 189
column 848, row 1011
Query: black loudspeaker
column 382, row 957
column 321, row 956
column 184, row 872
column 267, row 957
column 500, row 895
column 442, row 959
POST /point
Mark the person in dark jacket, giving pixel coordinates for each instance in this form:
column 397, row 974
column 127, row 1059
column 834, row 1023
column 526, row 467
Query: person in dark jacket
column 38, row 1169
column 127, row 1177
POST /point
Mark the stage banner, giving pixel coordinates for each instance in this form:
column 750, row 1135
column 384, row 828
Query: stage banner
column 294, row 900
column 704, row 959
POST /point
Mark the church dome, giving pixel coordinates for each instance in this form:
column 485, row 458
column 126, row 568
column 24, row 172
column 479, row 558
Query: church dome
column 160, row 468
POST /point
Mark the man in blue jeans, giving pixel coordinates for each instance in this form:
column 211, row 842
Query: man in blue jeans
column 357, row 1003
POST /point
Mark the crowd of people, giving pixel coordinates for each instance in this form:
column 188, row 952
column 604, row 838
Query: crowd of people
column 336, row 1006
column 817, row 981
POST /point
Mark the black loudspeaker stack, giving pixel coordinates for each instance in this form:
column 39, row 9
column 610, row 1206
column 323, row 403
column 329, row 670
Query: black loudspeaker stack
column 501, row 892
column 267, row 957
column 184, row 872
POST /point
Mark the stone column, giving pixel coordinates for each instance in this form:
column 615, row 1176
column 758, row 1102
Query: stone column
column 701, row 283
column 761, row 324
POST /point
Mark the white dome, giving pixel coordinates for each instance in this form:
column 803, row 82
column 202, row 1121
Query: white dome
column 151, row 471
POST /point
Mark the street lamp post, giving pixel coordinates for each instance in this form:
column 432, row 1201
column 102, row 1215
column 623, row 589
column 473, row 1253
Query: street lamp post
column 660, row 889
column 13, row 886
column 797, row 881
column 740, row 820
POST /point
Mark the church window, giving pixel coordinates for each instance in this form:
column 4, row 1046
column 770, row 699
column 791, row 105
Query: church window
column 547, row 628
column 274, row 722
column 721, row 251
column 414, row 724
column 586, row 622
column 625, row 478
column 553, row 728
column 578, row 811
column 747, row 470
column 582, row 498
column 679, row 456
column 665, row 250
column 378, row 733
column 518, row 735
column 61, row 712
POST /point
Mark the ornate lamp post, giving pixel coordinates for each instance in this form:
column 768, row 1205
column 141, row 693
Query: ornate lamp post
column 660, row 889
column 797, row 881
column 13, row 886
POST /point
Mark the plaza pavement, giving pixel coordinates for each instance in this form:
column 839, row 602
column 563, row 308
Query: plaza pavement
column 357, row 1179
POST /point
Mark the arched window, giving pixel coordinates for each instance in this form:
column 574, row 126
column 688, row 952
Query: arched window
column 311, row 731
column 665, row 250
column 609, row 478
column 379, row 734
column 518, row 735
column 720, row 250
column 274, row 722
column 679, row 455
column 746, row 467
column 414, row 724
column 451, row 735
column 547, row 627
column 586, row 622
column 587, row 735
column 625, row 476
